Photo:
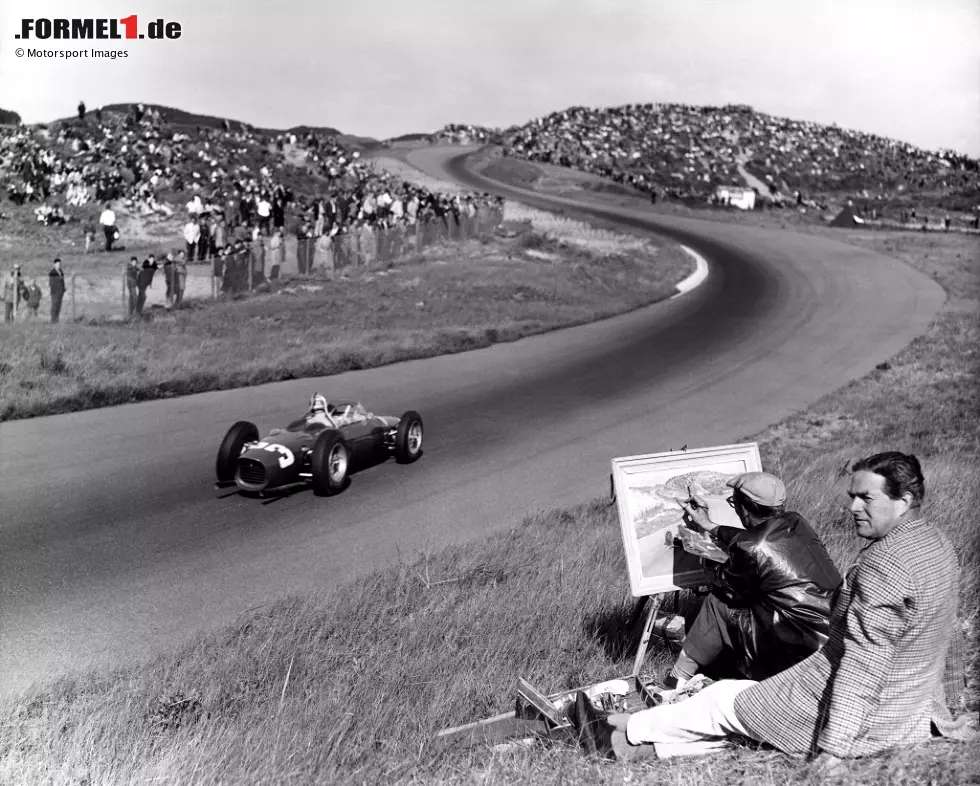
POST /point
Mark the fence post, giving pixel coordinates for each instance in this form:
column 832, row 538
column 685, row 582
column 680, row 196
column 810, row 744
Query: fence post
column 251, row 267
column 73, row 297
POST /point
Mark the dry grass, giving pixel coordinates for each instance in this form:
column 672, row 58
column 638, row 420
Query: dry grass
column 577, row 234
column 350, row 686
column 450, row 298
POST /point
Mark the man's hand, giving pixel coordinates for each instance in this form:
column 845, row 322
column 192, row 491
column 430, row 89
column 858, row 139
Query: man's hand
column 696, row 511
column 826, row 765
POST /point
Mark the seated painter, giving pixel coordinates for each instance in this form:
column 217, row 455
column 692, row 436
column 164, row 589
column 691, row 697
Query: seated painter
column 886, row 678
column 770, row 602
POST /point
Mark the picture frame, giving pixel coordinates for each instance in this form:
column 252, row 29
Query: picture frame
column 659, row 556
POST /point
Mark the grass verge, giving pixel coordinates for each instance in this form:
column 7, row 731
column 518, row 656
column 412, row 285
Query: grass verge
column 449, row 298
column 350, row 686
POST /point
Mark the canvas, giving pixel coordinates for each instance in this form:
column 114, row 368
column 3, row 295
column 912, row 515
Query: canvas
column 662, row 553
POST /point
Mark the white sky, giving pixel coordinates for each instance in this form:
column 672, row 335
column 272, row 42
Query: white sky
column 902, row 68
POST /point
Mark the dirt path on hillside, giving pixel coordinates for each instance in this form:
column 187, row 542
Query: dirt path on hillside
column 751, row 180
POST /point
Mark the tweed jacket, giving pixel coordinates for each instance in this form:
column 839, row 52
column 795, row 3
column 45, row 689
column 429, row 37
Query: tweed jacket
column 878, row 681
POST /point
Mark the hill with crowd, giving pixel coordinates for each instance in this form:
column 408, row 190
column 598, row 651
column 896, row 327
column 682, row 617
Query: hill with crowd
column 685, row 152
column 160, row 163
column 152, row 161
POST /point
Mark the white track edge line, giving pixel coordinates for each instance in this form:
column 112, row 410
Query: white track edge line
column 696, row 278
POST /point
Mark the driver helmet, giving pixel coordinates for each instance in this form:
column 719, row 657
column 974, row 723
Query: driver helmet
column 318, row 403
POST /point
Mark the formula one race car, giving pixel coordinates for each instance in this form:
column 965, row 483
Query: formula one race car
column 331, row 442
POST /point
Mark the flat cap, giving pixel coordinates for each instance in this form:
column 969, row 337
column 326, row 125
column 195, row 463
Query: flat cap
column 760, row 487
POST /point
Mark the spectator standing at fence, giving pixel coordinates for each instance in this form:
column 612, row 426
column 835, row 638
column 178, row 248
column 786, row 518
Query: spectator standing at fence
column 11, row 294
column 398, row 209
column 335, row 212
column 220, row 234
column 132, row 281
column 180, row 278
column 323, row 253
column 245, row 207
column 231, row 212
column 302, row 249
column 264, row 210
column 143, row 281
column 412, row 209
column 168, row 276
column 203, row 238
column 108, row 222
column 319, row 213
column 213, row 220
column 279, row 200
column 946, row 222
column 33, row 298
column 369, row 207
column 89, row 229
column 384, row 201
column 192, row 234
column 368, row 244
column 256, row 257
column 277, row 253
column 56, row 289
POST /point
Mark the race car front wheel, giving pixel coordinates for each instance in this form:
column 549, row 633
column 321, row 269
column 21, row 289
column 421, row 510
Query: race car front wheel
column 231, row 449
column 408, row 438
column 330, row 463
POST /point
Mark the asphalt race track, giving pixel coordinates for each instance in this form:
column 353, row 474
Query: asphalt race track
column 116, row 545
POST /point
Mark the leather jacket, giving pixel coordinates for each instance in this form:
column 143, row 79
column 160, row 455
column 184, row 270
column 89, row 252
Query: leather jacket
column 781, row 577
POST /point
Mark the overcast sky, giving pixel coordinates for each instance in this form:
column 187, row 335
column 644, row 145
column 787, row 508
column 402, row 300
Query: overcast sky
column 902, row 68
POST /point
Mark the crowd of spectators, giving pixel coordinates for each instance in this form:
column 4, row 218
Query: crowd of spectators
column 357, row 197
column 238, row 178
column 132, row 156
column 231, row 183
column 686, row 151
column 463, row 134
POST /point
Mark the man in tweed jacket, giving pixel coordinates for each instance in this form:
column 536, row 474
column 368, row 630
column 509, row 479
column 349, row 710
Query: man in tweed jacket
column 879, row 682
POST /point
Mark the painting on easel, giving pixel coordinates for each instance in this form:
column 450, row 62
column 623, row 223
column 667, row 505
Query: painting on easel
column 662, row 553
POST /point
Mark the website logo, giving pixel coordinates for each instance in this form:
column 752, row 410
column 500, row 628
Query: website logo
column 97, row 29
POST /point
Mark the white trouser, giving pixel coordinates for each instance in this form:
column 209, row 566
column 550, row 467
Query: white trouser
column 691, row 727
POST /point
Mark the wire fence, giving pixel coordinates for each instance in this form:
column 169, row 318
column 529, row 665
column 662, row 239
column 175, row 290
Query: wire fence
column 100, row 294
column 362, row 246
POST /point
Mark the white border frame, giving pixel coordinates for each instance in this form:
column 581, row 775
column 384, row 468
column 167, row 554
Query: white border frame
column 674, row 462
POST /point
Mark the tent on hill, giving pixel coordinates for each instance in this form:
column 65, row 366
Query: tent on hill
column 847, row 218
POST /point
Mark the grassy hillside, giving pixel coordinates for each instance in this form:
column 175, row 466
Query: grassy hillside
column 9, row 118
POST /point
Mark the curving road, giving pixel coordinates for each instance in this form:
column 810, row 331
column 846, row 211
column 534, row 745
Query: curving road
column 114, row 545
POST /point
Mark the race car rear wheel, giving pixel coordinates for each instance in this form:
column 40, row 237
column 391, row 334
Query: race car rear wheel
column 231, row 449
column 330, row 463
column 408, row 438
